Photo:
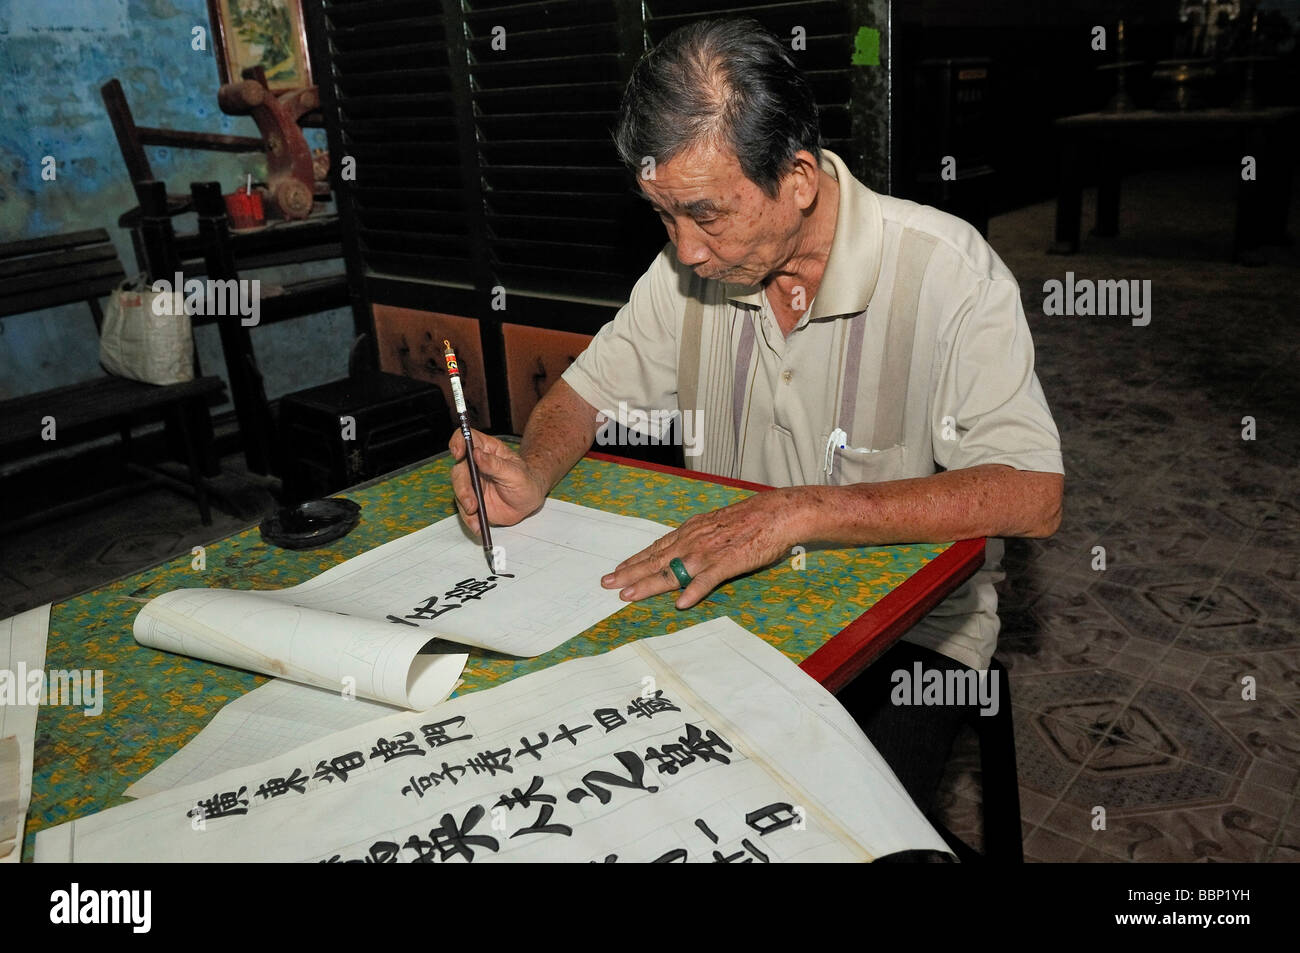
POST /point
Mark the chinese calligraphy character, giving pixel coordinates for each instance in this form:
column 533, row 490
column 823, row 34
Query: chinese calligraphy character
column 421, row 784
column 635, row 768
column 491, row 762
column 702, row 745
column 382, row 852
column 274, row 787
column 222, row 804
column 532, row 749
column 694, row 744
column 525, row 799
column 570, row 734
column 649, row 707
column 339, row 767
column 719, row 858
column 767, row 819
column 448, row 839
column 471, row 588
column 676, row 856
column 609, row 718
column 400, row 746
column 436, row 736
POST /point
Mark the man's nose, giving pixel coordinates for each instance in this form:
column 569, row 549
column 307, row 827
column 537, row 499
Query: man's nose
column 691, row 252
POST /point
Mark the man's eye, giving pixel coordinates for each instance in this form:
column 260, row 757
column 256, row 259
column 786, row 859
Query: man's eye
column 705, row 222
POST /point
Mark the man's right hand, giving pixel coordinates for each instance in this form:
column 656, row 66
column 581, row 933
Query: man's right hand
column 510, row 490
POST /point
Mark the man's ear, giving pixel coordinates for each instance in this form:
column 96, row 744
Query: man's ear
column 804, row 178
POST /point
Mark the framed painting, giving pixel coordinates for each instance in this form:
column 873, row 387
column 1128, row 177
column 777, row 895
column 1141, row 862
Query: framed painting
column 266, row 33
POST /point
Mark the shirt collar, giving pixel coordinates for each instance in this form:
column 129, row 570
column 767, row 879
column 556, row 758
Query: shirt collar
column 854, row 262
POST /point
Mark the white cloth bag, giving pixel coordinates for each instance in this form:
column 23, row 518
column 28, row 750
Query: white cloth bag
column 147, row 335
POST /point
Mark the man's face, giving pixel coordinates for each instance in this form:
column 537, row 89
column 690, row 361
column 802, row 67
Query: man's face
column 723, row 225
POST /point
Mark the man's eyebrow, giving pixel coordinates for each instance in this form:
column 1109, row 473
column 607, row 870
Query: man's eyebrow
column 700, row 207
column 695, row 209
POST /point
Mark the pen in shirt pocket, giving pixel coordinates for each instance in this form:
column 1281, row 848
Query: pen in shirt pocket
column 838, row 440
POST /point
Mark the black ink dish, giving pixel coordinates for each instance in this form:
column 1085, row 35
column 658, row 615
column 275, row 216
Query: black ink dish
column 311, row 524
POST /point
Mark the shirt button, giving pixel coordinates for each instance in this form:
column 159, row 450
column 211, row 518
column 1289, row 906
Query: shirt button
column 787, row 376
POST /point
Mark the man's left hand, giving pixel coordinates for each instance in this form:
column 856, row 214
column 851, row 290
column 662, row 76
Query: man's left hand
column 714, row 547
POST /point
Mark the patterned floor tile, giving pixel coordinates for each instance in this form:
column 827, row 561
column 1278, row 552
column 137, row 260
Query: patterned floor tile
column 1232, row 492
column 1272, row 674
column 1168, row 719
column 139, row 549
column 1287, row 848
column 1278, row 566
column 1280, row 777
column 1173, row 676
column 1158, row 601
column 1053, row 651
column 1087, row 699
column 1264, row 728
column 1044, row 846
column 1223, row 834
column 1245, row 610
column 1090, row 855
column 1050, row 752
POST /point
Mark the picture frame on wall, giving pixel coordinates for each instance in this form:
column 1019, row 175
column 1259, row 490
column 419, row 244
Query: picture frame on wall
column 267, row 33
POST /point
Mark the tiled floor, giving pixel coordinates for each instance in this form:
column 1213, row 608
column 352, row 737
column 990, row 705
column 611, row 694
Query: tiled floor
column 62, row 557
column 1130, row 683
column 1127, row 682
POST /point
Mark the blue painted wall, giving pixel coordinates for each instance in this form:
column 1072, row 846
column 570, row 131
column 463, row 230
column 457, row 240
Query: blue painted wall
column 54, row 56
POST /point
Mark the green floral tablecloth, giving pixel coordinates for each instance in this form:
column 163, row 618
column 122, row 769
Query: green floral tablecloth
column 155, row 702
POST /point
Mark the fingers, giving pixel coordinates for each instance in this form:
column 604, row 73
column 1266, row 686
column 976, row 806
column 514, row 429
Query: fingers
column 489, row 443
column 463, row 493
column 700, row 586
column 495, row 465
column 482, row 441
column 648, row 578
column 492, row 447
column 468, row 517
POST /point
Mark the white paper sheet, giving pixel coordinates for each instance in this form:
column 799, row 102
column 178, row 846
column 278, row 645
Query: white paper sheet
column 270, row 720
column 702, row 744
column 13, row 814
column 361, row 624
column 22, row 654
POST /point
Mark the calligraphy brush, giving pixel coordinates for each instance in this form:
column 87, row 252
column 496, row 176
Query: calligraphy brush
column 453, row 371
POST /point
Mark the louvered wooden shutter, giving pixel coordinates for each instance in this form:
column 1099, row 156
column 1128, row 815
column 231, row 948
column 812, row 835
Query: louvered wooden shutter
column 559, row 207
column 480, row 168
column 825, row 61
column 396, row 117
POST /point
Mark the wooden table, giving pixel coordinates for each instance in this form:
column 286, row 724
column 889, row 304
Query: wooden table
column 1101, row 140
column 833, row 616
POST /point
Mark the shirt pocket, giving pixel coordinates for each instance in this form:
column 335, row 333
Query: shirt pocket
column 876, row 466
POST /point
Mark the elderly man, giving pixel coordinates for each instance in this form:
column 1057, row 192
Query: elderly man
column 867, row 355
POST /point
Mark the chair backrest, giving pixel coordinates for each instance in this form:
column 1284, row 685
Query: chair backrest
column 132, row 139
column 40, row 273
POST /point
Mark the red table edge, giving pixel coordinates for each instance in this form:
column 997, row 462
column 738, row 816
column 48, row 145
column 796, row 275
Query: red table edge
column 677, row 471
column 859, row 643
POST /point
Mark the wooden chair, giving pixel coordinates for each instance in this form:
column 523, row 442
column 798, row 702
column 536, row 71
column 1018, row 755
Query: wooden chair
column 218, row 253
column 42, row 273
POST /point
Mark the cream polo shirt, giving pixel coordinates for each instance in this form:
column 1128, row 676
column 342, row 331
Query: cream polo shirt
column 914, row 357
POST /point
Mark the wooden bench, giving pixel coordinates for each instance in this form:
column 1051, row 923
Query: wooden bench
column 41, row 273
